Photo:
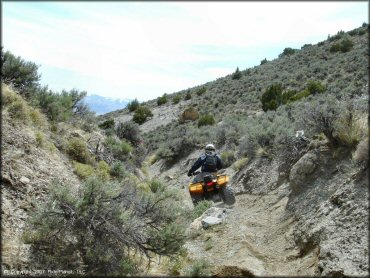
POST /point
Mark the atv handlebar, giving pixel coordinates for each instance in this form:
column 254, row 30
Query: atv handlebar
column 198, row 172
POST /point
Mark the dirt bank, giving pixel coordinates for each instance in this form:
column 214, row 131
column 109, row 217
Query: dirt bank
column 256, row 239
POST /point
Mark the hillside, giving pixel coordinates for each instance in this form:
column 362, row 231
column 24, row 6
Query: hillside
column 257, row 147
column 108, row 196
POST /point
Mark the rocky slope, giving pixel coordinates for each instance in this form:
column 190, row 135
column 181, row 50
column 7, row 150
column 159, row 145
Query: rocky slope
column 313, row 221
column 306, row 215
column 309, row 217
column 30, row 163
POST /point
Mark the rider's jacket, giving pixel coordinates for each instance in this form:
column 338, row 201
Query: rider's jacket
column 201, row 162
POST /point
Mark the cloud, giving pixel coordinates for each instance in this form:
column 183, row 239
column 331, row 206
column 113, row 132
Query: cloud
column 148, row 49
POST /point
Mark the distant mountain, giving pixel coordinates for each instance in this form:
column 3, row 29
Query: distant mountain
column 101, row 105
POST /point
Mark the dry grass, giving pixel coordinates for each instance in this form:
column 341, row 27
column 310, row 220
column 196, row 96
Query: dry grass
column 19, row 110
column 362, row 151
column 351, row 130
column 239, row 164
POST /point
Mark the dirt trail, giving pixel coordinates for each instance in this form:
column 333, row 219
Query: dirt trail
column 256, row 239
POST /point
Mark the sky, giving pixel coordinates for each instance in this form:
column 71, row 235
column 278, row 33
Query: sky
column 142, row 50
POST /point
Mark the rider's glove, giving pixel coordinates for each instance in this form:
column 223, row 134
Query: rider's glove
column 190, row 174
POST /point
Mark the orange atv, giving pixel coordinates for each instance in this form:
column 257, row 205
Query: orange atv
column 213, row 187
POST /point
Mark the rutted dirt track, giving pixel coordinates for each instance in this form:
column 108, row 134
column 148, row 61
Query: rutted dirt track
column 255, row 239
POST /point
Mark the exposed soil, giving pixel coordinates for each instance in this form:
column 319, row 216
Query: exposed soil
column 256, row 239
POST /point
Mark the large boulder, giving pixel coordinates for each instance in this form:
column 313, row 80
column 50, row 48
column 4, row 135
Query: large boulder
column 301, row 170
column 210, row 217
column 210, row 221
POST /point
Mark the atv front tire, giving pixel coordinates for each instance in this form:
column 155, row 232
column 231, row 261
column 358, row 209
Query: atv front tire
column 227, row 195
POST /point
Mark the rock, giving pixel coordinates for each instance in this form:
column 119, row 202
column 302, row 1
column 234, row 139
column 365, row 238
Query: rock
column 210, row 221
column 259, row 113
column 168, row 177
column 216, row 212
column 139, row 174
column 24, row 180
column 25, row 205
column 196, row 225
column 299, row 172
column 211, row 216
column 76, row 134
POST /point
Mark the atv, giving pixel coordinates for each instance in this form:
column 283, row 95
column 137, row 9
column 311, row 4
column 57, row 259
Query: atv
column 213, row 187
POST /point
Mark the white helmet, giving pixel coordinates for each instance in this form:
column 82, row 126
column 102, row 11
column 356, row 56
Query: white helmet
column 210, row 147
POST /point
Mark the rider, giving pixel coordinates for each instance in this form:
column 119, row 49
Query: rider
column 209, row 161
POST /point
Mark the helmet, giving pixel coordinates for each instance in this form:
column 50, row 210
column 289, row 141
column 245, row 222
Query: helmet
column 210, row 147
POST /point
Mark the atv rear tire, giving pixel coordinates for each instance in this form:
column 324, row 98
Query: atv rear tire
column 227, row 195
column 196, row 199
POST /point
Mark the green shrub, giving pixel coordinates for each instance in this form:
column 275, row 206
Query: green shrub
column 77, row 150
column 176, row 264
column 287, row 52
column 119, row 148
column 315, row 87
column 353, row 32
column 198, row 269
column 335, row 47
column 108, row 223
column 239, row 164
column 117, row 170
column 38, row 118
column 344, row 46
column 107, row 124
column 156, row 186
column 361, row 32
column 288, row 96
column 176, row 99
column 103, row 170
column 228, row 158
column 206, row 120
column 321, row 116
column 307, row 45
column 19, row 111
column 129, row 131
column 18, row 108
column 133, row 105
column 162, row 100
column 338, row 36
column 200, row 208
column 187, row 96
column 40, row 139
column 300, row 95
column 61, row 106
column 21, row 74
column 8, row 96
column 82, row 170
column 142, row 113
column 272, row 97
column 201, row 91
column 264, row 61
column 237, row 74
